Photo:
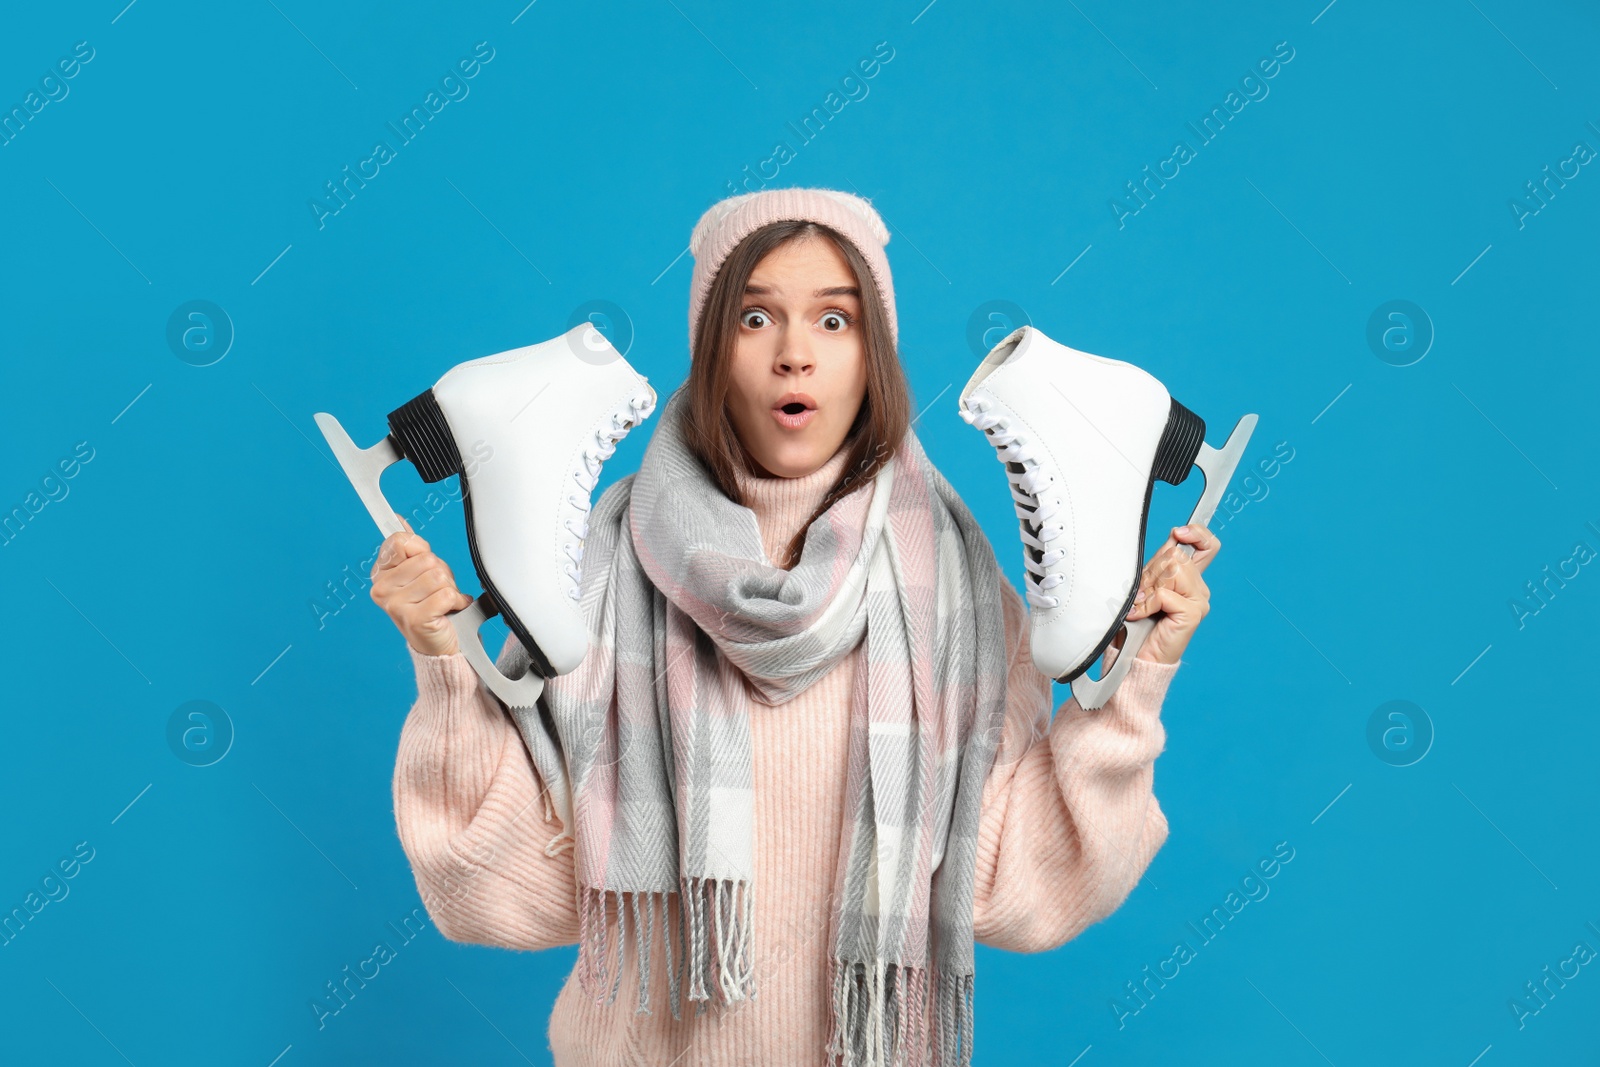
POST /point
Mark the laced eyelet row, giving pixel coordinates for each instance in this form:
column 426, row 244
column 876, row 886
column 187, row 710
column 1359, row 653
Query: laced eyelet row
column 587, row 473
column 1031, row 499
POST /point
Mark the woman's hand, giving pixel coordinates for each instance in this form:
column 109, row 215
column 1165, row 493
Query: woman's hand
column 417, row 590
column 1171, row 584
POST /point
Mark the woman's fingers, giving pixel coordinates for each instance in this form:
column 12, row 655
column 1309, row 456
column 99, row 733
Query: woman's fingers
column 1181, row 611
column 443, row 601
column 398, row 547
column 1171, row 587
column 1171, row 573
column 406, row 574
column 1184, row 578
column 1206, row 544
column 417, row 590
column 429, row 581
column 415, row 580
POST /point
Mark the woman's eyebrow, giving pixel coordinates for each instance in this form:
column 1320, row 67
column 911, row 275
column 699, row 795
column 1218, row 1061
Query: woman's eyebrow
column 752, row 289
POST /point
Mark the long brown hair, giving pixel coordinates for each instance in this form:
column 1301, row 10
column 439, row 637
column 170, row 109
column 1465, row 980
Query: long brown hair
column 885, row 413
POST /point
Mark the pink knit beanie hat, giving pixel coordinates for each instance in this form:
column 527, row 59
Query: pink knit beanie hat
column 729, row 221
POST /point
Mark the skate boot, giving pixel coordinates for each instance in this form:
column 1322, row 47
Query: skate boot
column 1084, row 439
column 527, row 430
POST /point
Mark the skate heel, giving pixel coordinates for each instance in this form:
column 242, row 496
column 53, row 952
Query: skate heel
column 1217, row 465
column 423, row 436
column 1180, row 444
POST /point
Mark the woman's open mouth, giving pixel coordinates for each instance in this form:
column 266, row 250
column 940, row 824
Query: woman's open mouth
column 794, row 410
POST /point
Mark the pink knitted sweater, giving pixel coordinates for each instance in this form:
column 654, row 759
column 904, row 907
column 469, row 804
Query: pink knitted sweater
column 1069, row 824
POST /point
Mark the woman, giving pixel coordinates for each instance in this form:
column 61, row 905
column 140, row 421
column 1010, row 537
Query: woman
column 890, row 786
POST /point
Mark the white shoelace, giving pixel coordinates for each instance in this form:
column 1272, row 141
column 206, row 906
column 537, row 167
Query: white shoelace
column 587, row 473
column 1026, row 484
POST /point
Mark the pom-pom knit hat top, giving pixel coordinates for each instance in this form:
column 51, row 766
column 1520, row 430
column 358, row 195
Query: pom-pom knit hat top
column 730, row 221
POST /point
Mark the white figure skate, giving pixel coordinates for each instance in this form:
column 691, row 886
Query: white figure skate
column 528, row 431
column 1084, row 439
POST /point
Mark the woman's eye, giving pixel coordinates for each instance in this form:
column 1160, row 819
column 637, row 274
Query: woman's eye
column 754, row 318
column 840, row 318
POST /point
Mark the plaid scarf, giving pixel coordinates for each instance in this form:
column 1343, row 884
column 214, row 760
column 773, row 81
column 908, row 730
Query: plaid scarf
column 645, row 749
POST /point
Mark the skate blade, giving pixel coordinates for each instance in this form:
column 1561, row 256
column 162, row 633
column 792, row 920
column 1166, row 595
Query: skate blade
column 1092, row 693
column 519, row 692
column 363, row 466
column 1217, row 465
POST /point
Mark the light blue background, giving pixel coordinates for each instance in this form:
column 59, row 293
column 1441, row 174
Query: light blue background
column 1380, row 563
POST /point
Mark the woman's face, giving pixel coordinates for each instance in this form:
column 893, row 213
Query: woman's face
column 799, row 369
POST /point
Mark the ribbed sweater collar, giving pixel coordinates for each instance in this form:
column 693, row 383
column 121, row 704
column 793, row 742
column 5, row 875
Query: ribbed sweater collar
column 781, row 505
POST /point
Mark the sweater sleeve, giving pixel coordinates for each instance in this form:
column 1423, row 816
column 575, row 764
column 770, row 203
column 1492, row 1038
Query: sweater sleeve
column 472, row 818
column 1069, row 821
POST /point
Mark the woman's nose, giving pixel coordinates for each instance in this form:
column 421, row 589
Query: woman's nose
column 794, row 357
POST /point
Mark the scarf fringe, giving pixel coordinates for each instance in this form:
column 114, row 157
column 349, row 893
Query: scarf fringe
column 641, row 530
column 715, row 937
column 881, row 1016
